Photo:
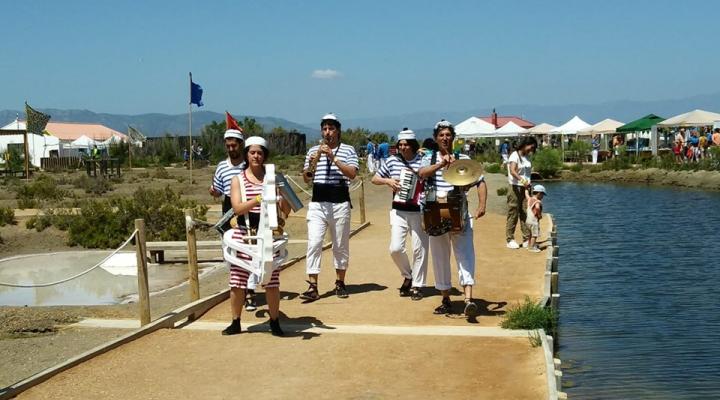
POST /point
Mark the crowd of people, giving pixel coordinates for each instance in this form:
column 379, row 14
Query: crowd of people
column 329, row 167
column 691, row 145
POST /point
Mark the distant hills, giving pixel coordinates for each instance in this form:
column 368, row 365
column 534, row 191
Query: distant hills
column 153, row 124
column 421, row 122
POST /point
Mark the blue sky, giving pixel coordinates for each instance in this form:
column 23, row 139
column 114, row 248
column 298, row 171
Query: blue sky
column 298, row 60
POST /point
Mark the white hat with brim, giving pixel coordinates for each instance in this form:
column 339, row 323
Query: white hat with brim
column 406, row 134
column 257, row 140
column 539, row 189
column 233, row 133
column 330, row 117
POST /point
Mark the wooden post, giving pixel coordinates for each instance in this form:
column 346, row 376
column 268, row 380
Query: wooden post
column 554, row 282
column 143, row 290
column 193, row 280
column 362, row 201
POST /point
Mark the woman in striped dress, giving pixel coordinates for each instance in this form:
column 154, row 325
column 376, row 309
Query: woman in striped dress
column 246, row 197
column 405, row 216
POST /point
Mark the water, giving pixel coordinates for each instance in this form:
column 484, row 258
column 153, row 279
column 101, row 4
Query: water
column 97, row 287
column 639, row 285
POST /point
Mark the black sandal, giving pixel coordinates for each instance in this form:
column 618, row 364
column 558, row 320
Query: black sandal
column 405, row 288
column 312, row 293
column 445, row 307
column 416, row 294
column 340, row 290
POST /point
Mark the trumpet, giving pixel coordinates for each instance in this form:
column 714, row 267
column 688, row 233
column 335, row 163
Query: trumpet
column 312, row 167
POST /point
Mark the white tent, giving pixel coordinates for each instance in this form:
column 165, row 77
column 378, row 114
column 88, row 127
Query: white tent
column 542, row 129
column 84, row 142
column 510, row 129
column 474, row 127
column 114, row 139
column 571, row 127
column 605, row 126
column 692, row 118
column 39, row 146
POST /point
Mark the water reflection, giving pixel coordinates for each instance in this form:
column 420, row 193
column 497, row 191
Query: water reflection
column 96, row 287
column 638, row 277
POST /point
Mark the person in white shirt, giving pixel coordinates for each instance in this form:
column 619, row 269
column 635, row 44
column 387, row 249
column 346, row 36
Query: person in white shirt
column 519, row 170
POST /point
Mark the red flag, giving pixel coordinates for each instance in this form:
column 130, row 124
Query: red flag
column 230, row 122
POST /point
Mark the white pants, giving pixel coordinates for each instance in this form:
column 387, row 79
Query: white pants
column 371, row 163
column 402, row 222
column 320, row 217
column 463, row 248
column 594, row 156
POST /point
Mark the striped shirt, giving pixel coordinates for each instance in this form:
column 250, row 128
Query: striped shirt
column 440, row 184
column 251, row 190
column 327, row 172
column 392, row 167
column 224, row 174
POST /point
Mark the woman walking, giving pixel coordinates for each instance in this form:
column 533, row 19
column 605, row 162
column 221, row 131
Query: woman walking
column 519, row 169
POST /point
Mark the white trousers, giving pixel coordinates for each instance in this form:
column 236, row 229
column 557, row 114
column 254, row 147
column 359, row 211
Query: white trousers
column 402, row 223
column 322, row 216
column 594, row 156
column 371, row 163
column 463, row 248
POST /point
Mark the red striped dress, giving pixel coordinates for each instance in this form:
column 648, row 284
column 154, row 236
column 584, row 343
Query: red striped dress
column 239, row 276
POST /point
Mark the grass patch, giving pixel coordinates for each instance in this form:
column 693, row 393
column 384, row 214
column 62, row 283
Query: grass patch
column 493, row 168
column 530, row 315
column 502, row 191
column 7, row 216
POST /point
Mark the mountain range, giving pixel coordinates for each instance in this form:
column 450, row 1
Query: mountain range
column 156, row 124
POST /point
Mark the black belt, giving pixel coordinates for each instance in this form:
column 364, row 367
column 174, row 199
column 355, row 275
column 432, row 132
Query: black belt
column 330, row 193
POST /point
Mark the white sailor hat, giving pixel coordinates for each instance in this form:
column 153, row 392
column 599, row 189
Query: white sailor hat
column 539, row 189
column 443, row 124
column 330, row 117
column 256, row 140
column 233, row 133
column 406, row 134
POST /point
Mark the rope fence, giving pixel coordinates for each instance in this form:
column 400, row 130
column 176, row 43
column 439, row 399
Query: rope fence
column 40, row 285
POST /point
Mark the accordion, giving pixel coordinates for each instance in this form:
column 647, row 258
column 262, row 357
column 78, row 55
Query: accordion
column 411, row 186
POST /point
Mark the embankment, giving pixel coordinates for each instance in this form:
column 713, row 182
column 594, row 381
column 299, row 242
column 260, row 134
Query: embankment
column 708, row 180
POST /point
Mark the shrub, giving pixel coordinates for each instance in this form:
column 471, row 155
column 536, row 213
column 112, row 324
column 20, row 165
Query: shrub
column 42, row 188
column 7, row 216
column 581, row 147
column 547, row 162
column 576, row 167
column 95, row 185
column 530, row 315
column 493, row 168
column 161, row 173
column 25, row 203
column 617, row 163
column 502, row 191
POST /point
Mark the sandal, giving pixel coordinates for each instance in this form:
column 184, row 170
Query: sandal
column 405, row 288
column 340, row 290
column 471, row 309
column 445, row 307
column 312, row 293
column 416, row 294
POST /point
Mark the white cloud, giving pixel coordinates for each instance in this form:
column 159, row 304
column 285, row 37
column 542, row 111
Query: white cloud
column 326, row 74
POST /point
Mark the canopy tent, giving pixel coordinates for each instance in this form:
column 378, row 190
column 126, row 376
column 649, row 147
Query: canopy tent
column 542, row 129
column 640, row 125
column 692, row 118
column 605, row 126
column 114, row 139
column 510, row 129
column 571, row 127
column 474, row 127
column 83, row 142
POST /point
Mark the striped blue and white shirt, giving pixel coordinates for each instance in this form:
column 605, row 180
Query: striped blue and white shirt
column 327, row 172
column 392, row 167
column 440, row 184
column 224, row 174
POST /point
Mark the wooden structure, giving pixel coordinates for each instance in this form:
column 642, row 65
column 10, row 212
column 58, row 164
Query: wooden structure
column 60, row 163
column 25, row 146
column 106, row 166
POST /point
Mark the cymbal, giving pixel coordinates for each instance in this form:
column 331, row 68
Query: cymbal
column 462, row 172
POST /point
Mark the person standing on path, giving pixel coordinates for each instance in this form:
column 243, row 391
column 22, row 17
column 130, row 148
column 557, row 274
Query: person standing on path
column 246, row 197
column 534, row 215
column 595, row 147
column 405, row 216
column 504, row 152
column 383, row 153
column 519, row 170
column 336, row 165
column 371, row 157
column 226, row 170
column 433, row 165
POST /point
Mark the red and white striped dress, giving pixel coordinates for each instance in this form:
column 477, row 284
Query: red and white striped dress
column 239, row 276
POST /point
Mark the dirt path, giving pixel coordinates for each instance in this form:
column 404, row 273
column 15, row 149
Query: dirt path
column 451, row 361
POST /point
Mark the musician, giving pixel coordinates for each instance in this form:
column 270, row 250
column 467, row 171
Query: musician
column 405, row 215
column 246, row 196
column 336, row 164
column 227, row 169
column 433, row 165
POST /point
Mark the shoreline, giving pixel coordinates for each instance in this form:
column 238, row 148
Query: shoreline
column 705, row 180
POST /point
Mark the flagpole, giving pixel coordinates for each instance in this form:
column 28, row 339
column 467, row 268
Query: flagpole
column 190, row 150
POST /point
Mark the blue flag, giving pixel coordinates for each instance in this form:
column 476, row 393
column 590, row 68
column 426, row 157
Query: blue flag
column 196, row 93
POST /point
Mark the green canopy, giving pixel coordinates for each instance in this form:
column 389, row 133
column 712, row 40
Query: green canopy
column 642, row 124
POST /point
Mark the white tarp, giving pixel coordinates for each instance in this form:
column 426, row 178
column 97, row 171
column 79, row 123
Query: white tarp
column 510, row 129
column 84, row 142
column 571, row 127
column 542, row 129
column 474, row 127
column 605, row 126
column 692, row 118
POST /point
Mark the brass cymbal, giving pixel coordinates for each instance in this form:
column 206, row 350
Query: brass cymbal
column 462, row 172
